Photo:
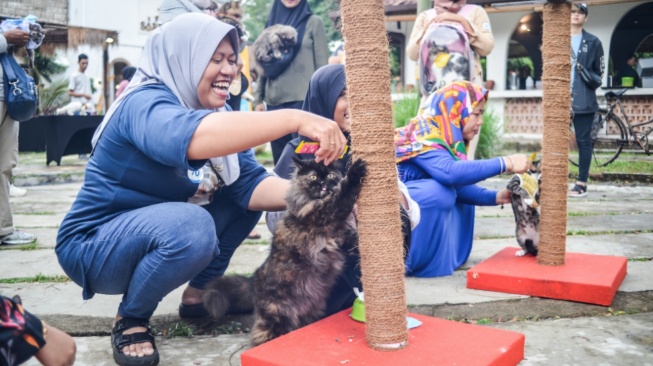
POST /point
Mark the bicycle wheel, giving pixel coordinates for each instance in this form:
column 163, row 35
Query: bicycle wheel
column 609, row 136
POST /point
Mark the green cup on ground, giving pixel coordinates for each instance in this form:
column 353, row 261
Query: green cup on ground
column 358, row 310
column 627, row 81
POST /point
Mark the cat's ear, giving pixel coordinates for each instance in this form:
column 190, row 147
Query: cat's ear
column 298, row 162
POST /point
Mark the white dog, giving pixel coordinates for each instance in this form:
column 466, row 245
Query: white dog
column 73, row 108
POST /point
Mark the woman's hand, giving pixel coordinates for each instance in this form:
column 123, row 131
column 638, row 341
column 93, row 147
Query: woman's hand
column 16, row 37
column 327, row 133
column 503, row 196
column 517, row 163
column 453, row 17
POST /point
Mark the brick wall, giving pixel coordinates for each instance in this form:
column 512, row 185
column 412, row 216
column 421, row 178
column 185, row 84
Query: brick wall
column 46, row 11
column 524, row 115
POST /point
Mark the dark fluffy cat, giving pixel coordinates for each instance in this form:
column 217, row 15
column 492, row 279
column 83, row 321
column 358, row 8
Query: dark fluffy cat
column 292, row 285
column 272, row 43
column 526, row 209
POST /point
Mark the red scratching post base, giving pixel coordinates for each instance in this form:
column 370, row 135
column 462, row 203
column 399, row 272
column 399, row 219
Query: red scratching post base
column 585, row 278
column 339, row 340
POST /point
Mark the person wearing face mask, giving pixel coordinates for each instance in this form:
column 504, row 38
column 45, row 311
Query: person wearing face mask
column 327, row 97
column 432, row 160
column 287, row 90
column 172, row 186
column 476, row 24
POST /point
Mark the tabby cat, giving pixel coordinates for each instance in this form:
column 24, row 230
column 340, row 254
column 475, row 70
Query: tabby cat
column 292, row 285
column 525, row 206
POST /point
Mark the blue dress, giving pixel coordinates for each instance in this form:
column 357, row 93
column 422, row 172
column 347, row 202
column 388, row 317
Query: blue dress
column 446, row 192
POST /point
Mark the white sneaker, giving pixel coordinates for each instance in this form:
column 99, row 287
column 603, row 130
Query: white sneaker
column 17, row 237
column 16, row 191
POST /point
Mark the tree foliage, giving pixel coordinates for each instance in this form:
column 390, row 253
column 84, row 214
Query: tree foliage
column 257, row 11
column 46, row 67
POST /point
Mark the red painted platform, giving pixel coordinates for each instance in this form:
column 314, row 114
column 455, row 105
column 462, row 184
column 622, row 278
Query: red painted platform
column 587, row 278
column 339, row 340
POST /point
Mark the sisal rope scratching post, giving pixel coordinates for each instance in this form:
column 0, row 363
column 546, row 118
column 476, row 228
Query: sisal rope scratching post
column 556, row 99
column 380, row 239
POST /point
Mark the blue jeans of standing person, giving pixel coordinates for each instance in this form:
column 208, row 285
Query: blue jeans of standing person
column 279, row 144
column 146, row 253
column 583, row 129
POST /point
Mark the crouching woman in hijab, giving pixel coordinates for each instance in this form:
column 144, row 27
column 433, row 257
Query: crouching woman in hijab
column 432, row 160
column 172, row 186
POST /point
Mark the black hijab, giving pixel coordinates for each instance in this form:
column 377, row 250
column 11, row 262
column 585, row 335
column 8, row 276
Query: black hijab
column 128, row 72
column 323, row 92
column 296, row 17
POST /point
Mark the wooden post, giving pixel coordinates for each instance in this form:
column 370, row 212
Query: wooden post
column 370, row 106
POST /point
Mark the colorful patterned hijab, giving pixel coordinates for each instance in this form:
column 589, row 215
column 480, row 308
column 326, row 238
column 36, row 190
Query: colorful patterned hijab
column 440, row 125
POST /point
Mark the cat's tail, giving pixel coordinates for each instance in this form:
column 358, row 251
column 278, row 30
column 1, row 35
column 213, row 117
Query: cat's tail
column 229, row 295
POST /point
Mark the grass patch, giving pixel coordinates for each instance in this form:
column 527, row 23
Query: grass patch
column 489, row 139
column 39, row 278
column 179, row 330
column 30, row 246
column 609, row 213
column 256, row 241
column 232, row 327
column 264, row 155
column 640, row 164
column 484, row 321
column 607, row 232
column 405, row 108
column 642, row 259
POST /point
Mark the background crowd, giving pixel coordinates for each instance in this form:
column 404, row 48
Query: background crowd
column 174, row 119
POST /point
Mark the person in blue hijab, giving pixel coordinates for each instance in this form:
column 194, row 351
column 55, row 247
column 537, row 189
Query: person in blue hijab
column 327, row 97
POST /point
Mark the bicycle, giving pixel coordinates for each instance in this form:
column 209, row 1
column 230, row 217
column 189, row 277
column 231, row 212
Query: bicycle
column 610, row 135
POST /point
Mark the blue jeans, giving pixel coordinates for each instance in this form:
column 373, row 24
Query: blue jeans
column 583, row 129
column 146, row 253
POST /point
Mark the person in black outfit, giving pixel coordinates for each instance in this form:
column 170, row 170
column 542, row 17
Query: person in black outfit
column 629, row 70
column 587, row 54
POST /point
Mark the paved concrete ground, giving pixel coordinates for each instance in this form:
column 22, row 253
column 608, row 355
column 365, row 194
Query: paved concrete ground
column 612, row 220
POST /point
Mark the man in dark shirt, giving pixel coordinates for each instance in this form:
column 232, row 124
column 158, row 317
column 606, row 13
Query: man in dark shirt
column 629, row 71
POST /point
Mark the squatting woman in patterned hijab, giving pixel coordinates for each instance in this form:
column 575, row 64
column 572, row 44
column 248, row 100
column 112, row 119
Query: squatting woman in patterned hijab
column 431, row 153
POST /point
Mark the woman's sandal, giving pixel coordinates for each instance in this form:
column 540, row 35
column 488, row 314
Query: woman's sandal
column 192, row 311
column 120, row 340
column 578, row 191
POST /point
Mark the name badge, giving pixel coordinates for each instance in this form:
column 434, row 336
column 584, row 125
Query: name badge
column 195, row 176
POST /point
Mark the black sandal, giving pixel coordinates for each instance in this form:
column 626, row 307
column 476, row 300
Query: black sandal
column 120, row 340
column 578, row 191
column 192, row 311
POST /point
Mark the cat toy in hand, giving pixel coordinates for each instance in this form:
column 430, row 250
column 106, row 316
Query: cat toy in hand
column 525, row 199
column 308, row 253
column 273, row 44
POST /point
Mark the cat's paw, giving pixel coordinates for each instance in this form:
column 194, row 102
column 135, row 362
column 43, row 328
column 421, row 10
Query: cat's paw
column 357, row 170
column 520, row 253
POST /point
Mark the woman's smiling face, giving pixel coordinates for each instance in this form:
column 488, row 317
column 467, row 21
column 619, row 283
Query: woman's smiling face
column 213, row 89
